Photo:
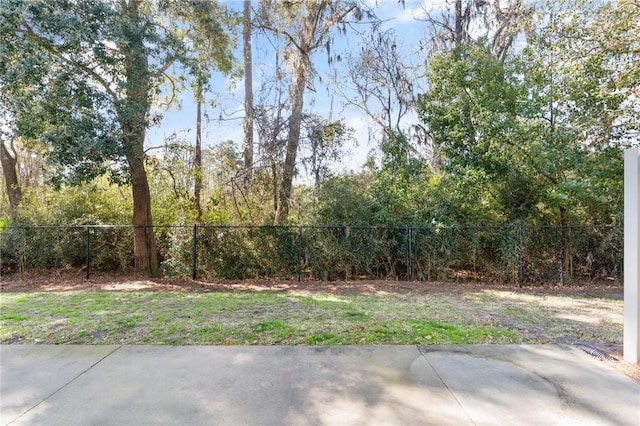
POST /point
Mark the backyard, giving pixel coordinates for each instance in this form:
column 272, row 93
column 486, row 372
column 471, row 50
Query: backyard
column 64, row 308
column 114, row 309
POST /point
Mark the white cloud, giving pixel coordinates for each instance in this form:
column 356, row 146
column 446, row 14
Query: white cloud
column 410, row 14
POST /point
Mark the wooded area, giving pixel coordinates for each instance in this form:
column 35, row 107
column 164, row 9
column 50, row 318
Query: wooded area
column 514, row 113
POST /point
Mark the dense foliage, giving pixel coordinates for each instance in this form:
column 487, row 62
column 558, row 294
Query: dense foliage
column 488, row 129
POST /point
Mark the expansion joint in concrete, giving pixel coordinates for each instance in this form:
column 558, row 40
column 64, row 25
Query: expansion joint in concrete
column 424, row 356
column 64, row 385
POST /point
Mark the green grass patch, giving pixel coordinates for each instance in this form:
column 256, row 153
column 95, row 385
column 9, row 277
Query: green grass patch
column 259, row 318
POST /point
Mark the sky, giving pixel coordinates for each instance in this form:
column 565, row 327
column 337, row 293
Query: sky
column 229, row 95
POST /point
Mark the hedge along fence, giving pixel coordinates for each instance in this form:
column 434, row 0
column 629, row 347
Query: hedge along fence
column 515, row 254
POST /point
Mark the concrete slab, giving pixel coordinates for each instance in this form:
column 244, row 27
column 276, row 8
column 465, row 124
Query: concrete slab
column 31, row 374
column 253, row 385
column 313, row 385
column 536, row 384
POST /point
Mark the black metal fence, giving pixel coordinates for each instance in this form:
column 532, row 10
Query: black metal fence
column 518, row 254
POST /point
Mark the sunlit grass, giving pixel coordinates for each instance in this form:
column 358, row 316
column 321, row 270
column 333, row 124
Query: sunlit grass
column 261, row 318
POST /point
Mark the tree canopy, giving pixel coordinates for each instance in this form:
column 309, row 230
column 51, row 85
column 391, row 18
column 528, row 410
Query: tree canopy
column 498, row 112
column 84, row 76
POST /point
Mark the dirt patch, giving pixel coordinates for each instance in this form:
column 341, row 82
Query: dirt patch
column 69, row 280
column 476, row 296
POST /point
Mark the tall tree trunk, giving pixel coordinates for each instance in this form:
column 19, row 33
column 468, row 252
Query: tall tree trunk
column 288, row 170
column 10, row 176
column 144, row 241
column 309, row 35
column 458, row 36
column 132, row 115
column 197, row 157
column 248, row 97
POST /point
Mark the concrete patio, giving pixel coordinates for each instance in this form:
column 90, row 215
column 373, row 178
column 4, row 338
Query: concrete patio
column 339, row 385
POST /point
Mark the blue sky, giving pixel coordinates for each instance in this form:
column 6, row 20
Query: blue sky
column 229, row 95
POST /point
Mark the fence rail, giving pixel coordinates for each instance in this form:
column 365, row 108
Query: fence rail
column 518, row 254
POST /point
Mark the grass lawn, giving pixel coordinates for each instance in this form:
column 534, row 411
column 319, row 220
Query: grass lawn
column 295, row 318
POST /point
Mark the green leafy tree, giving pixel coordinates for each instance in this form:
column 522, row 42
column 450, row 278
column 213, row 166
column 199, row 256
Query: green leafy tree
column 469, row 106
column 94, row 69
column 325, row 145
column 543, row 125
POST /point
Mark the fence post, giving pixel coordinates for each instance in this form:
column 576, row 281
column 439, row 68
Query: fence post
column 409, row 253
column 631, row 339
column 520, row 258
column 194, row 253
column 88, row 256
column 23, row 251
column 300, row 250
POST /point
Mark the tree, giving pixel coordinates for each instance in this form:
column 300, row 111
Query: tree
column 10, row 175
column 247, row 152
column 383, row 83
column 496, row 25
column 597, row 59
column 109, row 60
column 175, row 167
column 542, row 125
column 499, row 23
column 270, row 120
column 305, row 26
column 325, row 142
column 209, row 37
column 469, row 105
column 384, row 87
column 197, row 157
column 227, row 200
column 579, row 84
column 17, row 110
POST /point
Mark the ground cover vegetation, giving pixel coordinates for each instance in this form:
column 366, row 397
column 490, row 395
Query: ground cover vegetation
column 514, row 113
column 231, row 314
column 68, row 309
